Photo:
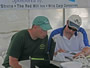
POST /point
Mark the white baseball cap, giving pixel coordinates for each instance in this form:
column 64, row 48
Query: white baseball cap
column 75, row 21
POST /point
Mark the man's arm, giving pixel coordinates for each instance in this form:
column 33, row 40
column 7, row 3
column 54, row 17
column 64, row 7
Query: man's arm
column 60, row 51
column 85, row 36
column 85, row 51
column 14, row 62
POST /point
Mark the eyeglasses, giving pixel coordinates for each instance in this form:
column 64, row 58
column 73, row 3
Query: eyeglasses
column 72, row 28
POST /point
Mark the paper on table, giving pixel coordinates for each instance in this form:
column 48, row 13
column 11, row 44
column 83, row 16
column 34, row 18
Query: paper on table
column 61, row 57
column 71, row 65
column 25, row 63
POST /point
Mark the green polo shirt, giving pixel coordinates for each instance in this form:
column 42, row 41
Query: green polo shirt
column 22, row 46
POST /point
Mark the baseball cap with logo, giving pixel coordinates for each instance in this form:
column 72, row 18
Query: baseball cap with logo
column 43, row 22
column 75, row 21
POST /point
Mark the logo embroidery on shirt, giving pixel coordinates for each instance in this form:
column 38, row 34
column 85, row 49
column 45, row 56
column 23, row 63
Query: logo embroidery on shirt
column 42, row 46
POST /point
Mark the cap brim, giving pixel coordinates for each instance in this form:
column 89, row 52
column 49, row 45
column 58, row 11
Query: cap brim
column 71, row 24
column 46, row 26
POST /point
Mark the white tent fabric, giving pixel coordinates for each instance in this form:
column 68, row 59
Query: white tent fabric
column 12, row 21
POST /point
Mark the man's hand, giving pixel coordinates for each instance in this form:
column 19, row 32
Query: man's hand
column 60, row 50
column 80, row 53
column 14, row 62
column 85, row 51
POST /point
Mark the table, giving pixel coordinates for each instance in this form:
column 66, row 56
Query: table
column 57, row 63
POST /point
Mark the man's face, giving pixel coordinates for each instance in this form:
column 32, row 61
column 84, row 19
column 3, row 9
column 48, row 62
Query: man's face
column 41, row 33
column 70, row 30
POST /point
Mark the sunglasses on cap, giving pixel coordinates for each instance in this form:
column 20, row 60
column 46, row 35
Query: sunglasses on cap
column 72, row 28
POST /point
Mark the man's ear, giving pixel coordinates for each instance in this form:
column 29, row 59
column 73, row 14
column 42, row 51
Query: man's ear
column 34, row 26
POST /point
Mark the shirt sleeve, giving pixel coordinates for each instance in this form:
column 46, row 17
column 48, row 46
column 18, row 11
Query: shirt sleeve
column 85, row 37
column 16, row 46
column 80, row 37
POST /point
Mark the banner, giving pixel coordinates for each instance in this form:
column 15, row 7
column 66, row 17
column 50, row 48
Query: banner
column 37, row 4
column 41, row 4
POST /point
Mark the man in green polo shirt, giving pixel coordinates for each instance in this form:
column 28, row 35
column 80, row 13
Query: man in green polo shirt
column 29, row 43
